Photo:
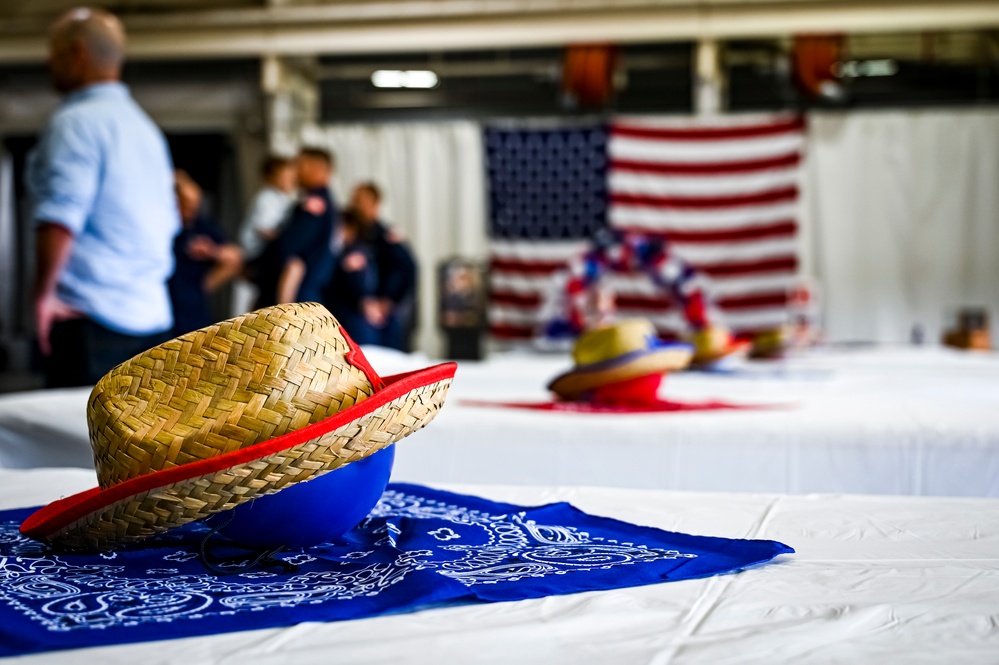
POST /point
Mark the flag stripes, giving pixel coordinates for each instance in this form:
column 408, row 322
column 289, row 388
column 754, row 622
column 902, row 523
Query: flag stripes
column 724, row 192
column 790, row 160
column 684, row 131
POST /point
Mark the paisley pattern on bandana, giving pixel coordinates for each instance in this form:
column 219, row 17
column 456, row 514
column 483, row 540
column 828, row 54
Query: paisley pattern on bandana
column 418, row 548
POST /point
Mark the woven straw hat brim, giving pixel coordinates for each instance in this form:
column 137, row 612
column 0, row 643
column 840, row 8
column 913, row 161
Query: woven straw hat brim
column 574, row 383
column 99, row 520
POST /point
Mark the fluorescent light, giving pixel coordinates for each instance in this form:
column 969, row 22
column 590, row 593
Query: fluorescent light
column 857, row 68
column 414, row 78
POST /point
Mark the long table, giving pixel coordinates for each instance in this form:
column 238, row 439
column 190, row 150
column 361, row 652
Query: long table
column 919, row 421
column 874, row 578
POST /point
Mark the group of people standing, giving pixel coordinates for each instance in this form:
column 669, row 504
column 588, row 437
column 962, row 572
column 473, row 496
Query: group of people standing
column 297, row 245
column 125, row 255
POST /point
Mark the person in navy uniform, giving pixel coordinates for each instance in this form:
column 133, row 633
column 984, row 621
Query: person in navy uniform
column 297, row 265
column 394, row 301
column 205, row 260
column 351, row 294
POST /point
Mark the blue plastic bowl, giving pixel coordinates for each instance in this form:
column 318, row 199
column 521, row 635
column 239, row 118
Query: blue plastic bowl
column 313, row 512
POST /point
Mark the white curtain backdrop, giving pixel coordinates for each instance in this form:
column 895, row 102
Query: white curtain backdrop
column 902, row 219
column 432, row 176
column 8, row 247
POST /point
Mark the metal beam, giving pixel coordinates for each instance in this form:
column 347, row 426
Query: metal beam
column 549, row 68
column 284, row 31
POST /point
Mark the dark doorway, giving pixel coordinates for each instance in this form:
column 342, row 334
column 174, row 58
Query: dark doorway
column 208, row 157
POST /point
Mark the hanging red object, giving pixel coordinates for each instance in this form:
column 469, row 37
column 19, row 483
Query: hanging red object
column 588, row 73
column 815, row 58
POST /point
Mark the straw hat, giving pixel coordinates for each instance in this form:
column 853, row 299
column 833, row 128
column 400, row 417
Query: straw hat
column 623, row 351
column 770, row 344
column 229, row 413
column 715, row 343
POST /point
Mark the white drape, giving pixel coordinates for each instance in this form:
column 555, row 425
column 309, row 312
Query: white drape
column 432, row 176
column 8, row 246
column 903, row 219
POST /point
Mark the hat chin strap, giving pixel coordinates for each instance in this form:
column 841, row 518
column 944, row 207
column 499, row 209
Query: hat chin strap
column 221, row 566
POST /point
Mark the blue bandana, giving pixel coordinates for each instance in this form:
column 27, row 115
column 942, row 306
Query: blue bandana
column 419, row 548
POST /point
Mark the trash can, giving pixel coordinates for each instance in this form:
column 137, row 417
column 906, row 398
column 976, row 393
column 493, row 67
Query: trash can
column 462, row 308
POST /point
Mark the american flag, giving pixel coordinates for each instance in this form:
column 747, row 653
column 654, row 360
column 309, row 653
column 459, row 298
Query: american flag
column 723, row 191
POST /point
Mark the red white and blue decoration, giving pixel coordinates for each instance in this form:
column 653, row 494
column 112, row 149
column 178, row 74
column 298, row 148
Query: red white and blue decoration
column 625, row 253
column 723, row 192
column 419, row 548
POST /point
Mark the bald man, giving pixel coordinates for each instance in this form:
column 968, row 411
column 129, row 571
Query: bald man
column 101, row 183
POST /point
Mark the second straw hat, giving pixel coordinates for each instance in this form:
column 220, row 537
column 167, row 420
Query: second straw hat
column 625, row 350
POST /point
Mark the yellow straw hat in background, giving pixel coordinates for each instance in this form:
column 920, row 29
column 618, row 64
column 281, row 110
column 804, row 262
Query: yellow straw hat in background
column 223, row 415
column 715, row 343
column 625, row 350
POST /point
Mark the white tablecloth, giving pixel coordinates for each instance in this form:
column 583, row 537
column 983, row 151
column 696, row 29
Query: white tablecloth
column 895, row 421
column 882, row 421
column 874, row 579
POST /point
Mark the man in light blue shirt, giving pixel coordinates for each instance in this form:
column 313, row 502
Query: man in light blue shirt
column 101, row 182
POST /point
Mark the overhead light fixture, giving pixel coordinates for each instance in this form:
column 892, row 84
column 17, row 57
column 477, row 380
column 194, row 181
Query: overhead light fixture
column 412, row 78
column 858, row 68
